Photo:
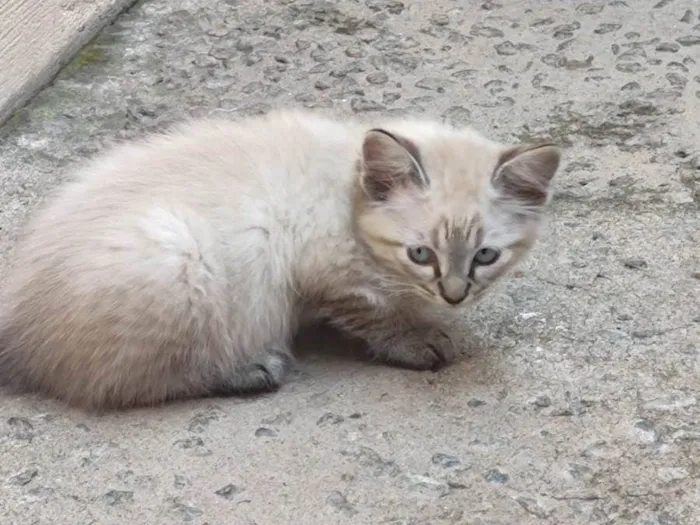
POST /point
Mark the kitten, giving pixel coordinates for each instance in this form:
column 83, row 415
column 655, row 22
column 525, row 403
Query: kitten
column 183, row 264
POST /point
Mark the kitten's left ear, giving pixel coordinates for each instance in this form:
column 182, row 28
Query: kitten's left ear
column 523, row 173
column 390, row 162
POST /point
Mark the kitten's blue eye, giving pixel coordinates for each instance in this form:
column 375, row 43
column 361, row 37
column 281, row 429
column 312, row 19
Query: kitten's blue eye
column 421, row 255
column 486, row 256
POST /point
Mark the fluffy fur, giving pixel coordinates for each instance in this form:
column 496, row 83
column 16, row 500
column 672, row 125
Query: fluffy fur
column 183, row 264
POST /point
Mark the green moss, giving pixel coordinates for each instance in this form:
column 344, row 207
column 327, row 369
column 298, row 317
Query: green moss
column 88, row 56
column 46, row 106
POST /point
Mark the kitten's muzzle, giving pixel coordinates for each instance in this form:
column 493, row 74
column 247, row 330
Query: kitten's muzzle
column 454, row 289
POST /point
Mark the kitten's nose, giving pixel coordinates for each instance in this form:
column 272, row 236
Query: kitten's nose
column 453, row 289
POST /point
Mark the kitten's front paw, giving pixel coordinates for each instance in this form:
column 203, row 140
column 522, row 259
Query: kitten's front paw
column 421, row 348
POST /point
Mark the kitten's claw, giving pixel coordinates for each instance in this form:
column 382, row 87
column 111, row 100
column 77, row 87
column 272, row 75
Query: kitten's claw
column 419, row 349
column 440, row 359
column 271, row 373
column 262, row 377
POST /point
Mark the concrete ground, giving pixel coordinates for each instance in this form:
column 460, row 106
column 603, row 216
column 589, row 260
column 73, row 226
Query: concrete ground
column 38, row 38
column 576, row 399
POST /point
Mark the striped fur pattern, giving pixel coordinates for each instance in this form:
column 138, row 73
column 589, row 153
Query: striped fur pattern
column 183, row 264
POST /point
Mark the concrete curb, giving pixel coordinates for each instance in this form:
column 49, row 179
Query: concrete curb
column 38, row 38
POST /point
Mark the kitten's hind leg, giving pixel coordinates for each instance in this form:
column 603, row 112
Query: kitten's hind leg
column 260, row 319
column 262, row 376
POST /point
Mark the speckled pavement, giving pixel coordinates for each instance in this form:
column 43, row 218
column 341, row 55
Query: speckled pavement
column 576, row 399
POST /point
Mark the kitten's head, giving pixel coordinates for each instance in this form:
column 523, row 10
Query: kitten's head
column 446, row 212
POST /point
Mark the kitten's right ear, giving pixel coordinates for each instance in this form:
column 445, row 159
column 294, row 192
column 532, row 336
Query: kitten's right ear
column 390, row 162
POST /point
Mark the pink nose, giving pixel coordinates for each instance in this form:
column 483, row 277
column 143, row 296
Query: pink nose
column 453, row 289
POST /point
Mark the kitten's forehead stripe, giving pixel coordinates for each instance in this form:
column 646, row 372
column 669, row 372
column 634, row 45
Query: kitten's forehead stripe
column 446, row 224
column 460, row 240
column 458, row 248
column 435, row 236
column 479, row 236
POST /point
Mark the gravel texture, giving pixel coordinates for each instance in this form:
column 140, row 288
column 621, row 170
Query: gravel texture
column 576, row 399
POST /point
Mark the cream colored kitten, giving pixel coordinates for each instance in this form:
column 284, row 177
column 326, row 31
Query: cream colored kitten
column 182, row 265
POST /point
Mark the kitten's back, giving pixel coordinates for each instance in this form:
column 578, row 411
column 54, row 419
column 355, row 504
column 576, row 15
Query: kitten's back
column 120, row 294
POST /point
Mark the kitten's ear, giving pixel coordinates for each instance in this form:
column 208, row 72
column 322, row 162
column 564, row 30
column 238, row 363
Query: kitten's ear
column 389, row 162
column 523, row 173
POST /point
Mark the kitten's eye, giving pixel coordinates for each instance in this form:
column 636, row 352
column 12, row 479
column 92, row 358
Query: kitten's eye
column 421, row 255
column 486, row 256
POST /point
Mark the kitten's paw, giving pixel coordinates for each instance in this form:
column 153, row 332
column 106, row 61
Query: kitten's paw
column 423, row 348
column 266, row 375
